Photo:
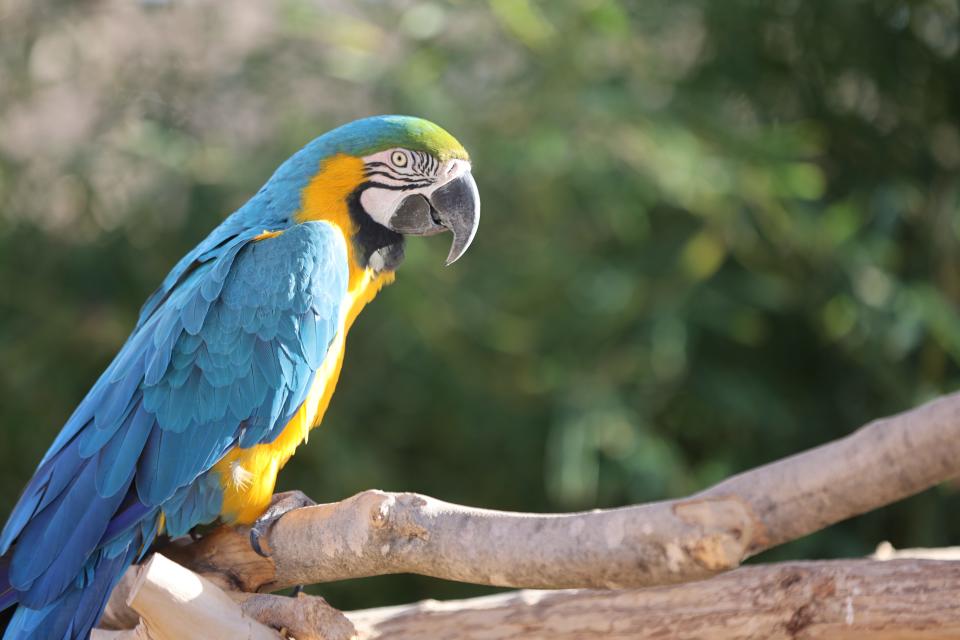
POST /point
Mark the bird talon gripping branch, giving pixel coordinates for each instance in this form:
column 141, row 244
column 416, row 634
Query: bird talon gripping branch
column 281, row 504
column 232, row 362
column 257, row 533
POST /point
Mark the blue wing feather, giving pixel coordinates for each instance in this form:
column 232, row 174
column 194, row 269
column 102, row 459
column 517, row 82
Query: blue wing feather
column 61, row 539
column 120, row 454
column 223, row 355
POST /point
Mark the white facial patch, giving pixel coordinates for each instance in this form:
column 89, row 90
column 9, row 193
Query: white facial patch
column 381, row 203
column 397, row 173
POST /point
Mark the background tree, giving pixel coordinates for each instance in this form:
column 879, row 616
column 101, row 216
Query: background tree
column 714, row 233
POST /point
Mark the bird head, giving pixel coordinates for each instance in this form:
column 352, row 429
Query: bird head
column 387, row 177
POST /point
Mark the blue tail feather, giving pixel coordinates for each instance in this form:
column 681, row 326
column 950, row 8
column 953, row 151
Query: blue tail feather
column 75, row 612
column 8, row 597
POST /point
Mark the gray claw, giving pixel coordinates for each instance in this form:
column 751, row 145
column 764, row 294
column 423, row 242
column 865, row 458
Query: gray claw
column 281, row 504
column 256, row 532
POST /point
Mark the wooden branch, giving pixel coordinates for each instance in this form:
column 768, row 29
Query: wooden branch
column 176, row 604
column 887, row 460
column 375, row 533
column 843, row 600
column 137, row 633
column 304, row 617
column 682, row 540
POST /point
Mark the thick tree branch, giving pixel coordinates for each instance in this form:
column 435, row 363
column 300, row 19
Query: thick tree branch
column 884, row 461
column 175, row 603
column 375, row 533
column 163, row 600
column 845, row 599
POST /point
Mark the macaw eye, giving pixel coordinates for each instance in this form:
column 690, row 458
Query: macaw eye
column 398, row 158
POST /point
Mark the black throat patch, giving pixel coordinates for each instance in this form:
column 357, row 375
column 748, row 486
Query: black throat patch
column 375, row 245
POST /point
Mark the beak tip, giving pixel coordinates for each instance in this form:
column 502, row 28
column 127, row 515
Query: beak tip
column 458, row 207
column 451, row 257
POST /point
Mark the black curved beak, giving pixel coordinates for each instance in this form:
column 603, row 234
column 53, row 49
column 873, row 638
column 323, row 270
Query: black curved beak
column 454, row 207
column 457, row 208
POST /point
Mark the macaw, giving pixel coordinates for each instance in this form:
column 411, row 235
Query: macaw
column 233, row 360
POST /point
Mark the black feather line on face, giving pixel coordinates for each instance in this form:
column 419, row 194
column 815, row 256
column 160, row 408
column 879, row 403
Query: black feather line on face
column 386, row 169
column 397, row 187
column 423, row 165
column 386, row 174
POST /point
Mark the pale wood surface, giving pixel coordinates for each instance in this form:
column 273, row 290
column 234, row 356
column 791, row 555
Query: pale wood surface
column 176, row 604
column 677, row 541
column 376, row 533
column 842, row 600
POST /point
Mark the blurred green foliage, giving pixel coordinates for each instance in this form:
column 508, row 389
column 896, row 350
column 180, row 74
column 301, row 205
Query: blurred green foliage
column 714, row 233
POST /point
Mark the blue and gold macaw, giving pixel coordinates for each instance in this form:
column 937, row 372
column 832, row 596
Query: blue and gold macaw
column 233, row 360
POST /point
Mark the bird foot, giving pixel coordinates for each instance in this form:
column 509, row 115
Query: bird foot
column 279, row 505
column 303, row 617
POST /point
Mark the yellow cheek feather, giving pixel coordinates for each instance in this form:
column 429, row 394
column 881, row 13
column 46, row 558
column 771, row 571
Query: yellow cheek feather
column 248, row 476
